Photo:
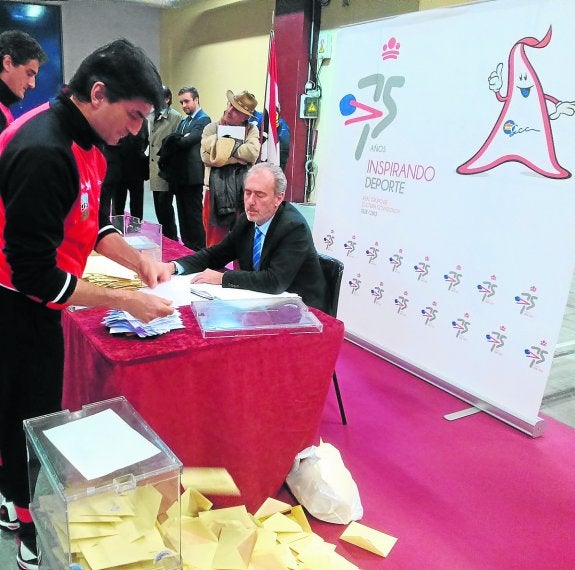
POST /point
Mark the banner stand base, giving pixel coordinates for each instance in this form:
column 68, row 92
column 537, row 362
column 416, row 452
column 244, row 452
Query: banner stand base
column 461, row 414
column 534, row 429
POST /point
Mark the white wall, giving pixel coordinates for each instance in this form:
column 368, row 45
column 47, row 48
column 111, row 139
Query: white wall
column 89, row 24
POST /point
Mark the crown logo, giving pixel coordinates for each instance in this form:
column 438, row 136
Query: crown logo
column 390, row 49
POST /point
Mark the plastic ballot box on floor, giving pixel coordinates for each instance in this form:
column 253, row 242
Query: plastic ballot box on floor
column 102, row 483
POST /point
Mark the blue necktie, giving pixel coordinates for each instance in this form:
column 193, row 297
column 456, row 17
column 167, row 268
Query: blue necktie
column 183, row 124
column 258, row 239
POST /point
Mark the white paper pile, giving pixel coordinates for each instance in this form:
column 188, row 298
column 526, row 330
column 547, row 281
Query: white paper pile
column 122, row 322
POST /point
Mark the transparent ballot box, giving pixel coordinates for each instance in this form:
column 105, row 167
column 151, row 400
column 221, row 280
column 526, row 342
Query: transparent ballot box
column 269, row 315
column 105, row 490
column 141, row 235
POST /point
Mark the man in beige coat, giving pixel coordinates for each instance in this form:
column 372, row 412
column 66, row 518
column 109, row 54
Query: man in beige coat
column 227, row 158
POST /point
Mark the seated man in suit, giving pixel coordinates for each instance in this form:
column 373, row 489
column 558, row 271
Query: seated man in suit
column 284, row 258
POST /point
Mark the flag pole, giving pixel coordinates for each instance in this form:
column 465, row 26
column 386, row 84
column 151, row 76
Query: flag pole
column 270, row 40
column 269, row 151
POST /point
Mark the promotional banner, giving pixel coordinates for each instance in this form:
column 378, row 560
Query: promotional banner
column 447, row 152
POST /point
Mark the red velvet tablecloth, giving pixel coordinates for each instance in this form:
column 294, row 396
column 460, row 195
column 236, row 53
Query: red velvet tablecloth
column 248, row 404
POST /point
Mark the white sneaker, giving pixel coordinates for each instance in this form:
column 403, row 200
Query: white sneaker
column 26, row 558
column 8, row 519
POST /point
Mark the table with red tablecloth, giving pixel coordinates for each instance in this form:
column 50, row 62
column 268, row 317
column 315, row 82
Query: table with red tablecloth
column 247, row 403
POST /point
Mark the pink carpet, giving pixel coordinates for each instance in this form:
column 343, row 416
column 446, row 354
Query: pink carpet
column 467, row 494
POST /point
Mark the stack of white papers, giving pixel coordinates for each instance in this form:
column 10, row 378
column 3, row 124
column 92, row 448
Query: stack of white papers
column 121, row 322
column 181, row 292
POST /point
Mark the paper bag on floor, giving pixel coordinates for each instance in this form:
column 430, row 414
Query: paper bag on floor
column 324, row 486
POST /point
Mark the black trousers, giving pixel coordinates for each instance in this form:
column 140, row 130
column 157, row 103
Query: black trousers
column 120, row 194
column 163, row 204
column 31, row 378
column 189, row 201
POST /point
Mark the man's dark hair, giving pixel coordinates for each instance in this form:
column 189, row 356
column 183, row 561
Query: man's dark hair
column 191, row 90
column 125, row 70
column 21, row 47
column 167, row 93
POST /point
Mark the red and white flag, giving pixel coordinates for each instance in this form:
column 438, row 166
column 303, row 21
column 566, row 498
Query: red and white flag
column 270, row 151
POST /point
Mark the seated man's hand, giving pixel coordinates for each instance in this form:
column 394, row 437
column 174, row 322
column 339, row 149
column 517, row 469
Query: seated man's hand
column 208, row 276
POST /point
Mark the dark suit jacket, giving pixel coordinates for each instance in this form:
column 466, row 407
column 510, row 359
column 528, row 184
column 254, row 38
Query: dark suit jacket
column 180, row 160
column 289, row 260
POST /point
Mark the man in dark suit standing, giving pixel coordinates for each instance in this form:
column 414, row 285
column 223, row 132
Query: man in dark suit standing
column 181, row 162
column 271, row 242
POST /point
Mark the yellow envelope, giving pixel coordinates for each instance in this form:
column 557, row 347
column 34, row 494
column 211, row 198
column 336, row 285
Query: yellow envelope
column 307, row 541
column 91, row 530
column 368, row 538
column 289, row 537
column 117, row 505
column 114, row 551
column 94, row 518
column 199, row 556
column 194, row 531
column 234, row 549
column 266, row 540
column 210, row 480
column 197, row 503
column 316, row 559
column 280, row 523
column 298, row 515
column 271, row 506
column 338, row 562
column 146, row 503
column 287, row 556
column 267, row 561
column 237, row 517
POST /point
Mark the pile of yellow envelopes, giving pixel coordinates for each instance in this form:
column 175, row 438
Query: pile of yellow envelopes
column 134, row 530
column 277, row 536
column 112, row 530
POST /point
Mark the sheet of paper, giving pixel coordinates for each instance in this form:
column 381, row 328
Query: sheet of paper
column 101, row 265
column 231, row 131
column 94, row 433
column 178, row 290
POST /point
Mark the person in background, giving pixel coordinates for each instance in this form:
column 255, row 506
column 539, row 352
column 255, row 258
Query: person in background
column 162, row 123
column 21, row 57
column 180, row 160
column 128, row 168
column 227, row 159
column 51, row 170
column 271, row 242
column 284, row 134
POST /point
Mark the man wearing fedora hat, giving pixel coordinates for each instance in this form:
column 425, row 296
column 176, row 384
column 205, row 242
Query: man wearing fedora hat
column 227, row 159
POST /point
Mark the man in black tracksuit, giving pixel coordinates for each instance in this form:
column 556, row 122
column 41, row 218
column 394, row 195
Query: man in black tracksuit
column 51, row 170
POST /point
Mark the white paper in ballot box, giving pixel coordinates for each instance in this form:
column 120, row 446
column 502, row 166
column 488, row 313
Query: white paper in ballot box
column 324, row 486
